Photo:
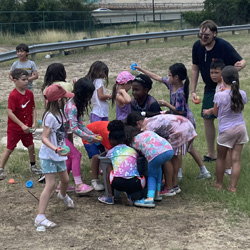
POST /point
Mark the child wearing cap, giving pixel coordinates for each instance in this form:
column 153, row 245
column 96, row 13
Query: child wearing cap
column 21, row 120
column 51, row 153
column 120, row 94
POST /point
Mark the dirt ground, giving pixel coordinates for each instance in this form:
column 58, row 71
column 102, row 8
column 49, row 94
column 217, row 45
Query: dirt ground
column 175, row 223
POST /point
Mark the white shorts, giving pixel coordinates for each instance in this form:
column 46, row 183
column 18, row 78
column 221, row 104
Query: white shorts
column 232, row 136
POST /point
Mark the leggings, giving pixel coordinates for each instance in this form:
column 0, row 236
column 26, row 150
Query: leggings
column 155, row 172
column 74, row 160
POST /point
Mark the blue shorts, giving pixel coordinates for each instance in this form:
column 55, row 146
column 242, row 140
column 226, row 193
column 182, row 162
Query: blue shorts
column 93, row 149
column 49, row 166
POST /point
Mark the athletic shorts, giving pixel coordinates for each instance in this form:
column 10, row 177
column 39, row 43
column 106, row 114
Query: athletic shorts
column 14, row 137
column 232, row 136
column 207, row 103
column 50, row 166
column 93, row 149
column 132, row 185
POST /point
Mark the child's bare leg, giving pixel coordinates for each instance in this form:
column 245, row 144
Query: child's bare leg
column 236, row 166
column 220, row 163
column 32, row 154
column 45, row 195
column 210, row 136
column 5, row 156
column 109, row 187
column 168, row 171
column 64, row 181
column 95, row 166
column 228, row 163
column 196, row 156
column 177, row 161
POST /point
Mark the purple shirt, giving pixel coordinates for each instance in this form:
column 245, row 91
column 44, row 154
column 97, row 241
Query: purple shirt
column 122, row 113
column 226, row 116
column 178, row 100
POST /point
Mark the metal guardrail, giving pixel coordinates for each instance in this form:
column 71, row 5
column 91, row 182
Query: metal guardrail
column 61, row 46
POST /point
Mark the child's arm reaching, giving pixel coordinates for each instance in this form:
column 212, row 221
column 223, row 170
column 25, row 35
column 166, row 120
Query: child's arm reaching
column 102, row 96
column 122, row 98
column 171, row 107
column 13, row 117
column 150, row 74
column 211, row 111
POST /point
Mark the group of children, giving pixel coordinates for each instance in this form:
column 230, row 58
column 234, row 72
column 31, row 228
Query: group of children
column 141, row 127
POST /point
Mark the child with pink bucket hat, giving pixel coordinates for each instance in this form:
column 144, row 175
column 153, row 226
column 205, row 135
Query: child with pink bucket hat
column 120, row 94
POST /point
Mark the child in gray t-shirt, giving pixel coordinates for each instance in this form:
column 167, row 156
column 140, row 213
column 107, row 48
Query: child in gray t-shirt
column 24, row 63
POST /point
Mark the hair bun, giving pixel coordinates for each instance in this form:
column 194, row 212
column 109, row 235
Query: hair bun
column 116, row 125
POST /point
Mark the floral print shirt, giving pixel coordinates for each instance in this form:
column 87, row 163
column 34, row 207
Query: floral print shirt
column 76, row 124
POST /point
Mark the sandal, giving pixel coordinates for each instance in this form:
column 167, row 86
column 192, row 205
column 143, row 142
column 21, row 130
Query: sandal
column 66, row 200
column 45, row 223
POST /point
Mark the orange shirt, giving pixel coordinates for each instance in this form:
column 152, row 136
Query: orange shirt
column 100, row 127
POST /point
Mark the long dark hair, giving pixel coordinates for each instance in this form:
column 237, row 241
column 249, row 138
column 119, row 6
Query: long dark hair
column 98, row 70
column 83, row 90
column 56, row 109
column 180, row 70
column 133, row 118
column 55, row 72
column 130, row 133
column 231, row 77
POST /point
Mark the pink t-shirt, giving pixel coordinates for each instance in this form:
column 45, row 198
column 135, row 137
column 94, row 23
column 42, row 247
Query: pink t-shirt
column 177, row 129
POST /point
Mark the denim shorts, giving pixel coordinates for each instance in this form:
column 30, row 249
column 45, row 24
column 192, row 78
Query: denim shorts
column 49, row 166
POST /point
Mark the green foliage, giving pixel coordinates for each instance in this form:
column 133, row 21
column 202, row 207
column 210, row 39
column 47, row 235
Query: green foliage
column 223, row 12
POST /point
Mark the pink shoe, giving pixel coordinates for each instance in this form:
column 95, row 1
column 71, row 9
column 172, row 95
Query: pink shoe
column 83, row 189
column 69, row 190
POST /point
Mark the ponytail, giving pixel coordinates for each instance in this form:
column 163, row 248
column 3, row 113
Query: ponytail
column 237, row 104
column 186, row 89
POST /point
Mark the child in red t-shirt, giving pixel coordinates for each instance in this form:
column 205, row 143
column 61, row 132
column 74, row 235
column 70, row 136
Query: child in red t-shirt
column 93, row 150
column 21, row 120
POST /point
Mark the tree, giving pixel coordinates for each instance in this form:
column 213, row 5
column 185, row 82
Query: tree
column 223, row 12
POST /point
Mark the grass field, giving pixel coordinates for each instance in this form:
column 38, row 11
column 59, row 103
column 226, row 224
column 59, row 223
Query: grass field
column 177, row 51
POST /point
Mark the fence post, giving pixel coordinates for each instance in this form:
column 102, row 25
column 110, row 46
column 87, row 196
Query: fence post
column 147, row 40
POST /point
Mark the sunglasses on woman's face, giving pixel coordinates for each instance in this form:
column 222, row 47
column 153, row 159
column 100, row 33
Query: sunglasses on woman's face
column 205, row 36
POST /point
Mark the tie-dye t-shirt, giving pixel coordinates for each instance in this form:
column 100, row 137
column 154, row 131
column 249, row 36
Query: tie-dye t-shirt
column 150, row 144
column 124, row 161
column 177, row 129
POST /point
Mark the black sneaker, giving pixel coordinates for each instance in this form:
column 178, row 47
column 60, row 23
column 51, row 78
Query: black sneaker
column 41, row 179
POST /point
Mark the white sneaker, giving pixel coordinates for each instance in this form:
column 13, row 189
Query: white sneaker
column 97, row 185
column 204, row 176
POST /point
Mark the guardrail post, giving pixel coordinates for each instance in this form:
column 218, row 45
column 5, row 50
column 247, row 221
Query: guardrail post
column 128, row 42
column 147, row 40
column 248, row 31
column 33, row 57
column 165, row 38
column 233, row 31
column 85, row 48
column 182, row 37
column 61, row 51
column 108, row 44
